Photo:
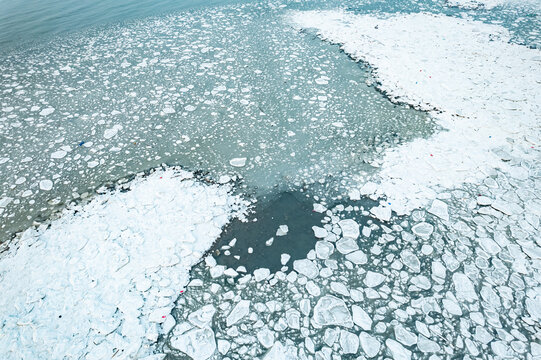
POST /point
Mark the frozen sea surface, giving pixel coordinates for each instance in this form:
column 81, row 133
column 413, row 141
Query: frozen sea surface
column 366, row 229
column 230, row 91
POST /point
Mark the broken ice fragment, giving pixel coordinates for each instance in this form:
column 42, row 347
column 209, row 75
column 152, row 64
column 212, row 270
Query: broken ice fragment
column 237, row 162
column 397, row 350
column 199, row 344
column 357, row 257
column 374, row 279
column 239, row 311
column 369, row 344
column 349, row 342
column 439, row 209
column 319, row 232
column 361, row 318
column 266, row 337
column 324, row 249
column 46, row 185
column 464, row 287
column 423, row 229
column 306, row 267
column 47, row 111
column 346, row 245
column 381, row 212
column 331, row 310
column 404, row 336
column 202, row 317
column 282, row 230
column 350, row 229
column 261, row 274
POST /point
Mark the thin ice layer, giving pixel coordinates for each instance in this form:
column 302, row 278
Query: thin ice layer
column 102, row 278
column 488, row 92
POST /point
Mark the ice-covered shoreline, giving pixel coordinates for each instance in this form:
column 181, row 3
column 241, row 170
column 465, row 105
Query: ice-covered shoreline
column 101, row 280
column 466, row 73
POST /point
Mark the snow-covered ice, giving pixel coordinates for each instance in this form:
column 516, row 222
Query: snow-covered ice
column 96, row 280
column 496, row 81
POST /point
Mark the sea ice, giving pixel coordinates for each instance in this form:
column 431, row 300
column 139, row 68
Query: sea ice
column 350, row 229
column 331, row 310
column 108, row 255
column 199, row 344
column 239, row 311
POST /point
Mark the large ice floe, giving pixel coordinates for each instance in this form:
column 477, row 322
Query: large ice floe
column 100, row 281
column 482, row 89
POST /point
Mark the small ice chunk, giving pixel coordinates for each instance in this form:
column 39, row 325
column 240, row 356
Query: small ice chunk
column 284, row 258
column 324, row 249
column 361, row 318
column 319, row 232
column 5, row 201
column 110, row 133
column 423, row 229
column 331, row 310
column 349, row 342
column 47, row 111
column 439, row 209
column 404, row 336
column 306, row 267
column 350, row 229
column 202, row 317
column 293, row 318
column 199, row 344
column 381, row 212
column 223, row 346
column 261, row 274
column 398, row 352
column 237, row 162
column 374, row 279
column 357, row 257
column 282, row 230
column 411, row 260
column 484, row 201
column 346, row 245
column 224, row 179
column 46, row 185
column 369, row 344
column 489, row 245
column 354, row 194
column 426, row 345
column 266, row 337
column 369, row 188
column 239, row 311
column 58, row 154
column 464, row 287
column 319, row 208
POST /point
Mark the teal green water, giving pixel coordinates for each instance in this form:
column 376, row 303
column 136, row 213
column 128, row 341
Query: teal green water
column 23, row 21
column 92, row 91
column 31, row 21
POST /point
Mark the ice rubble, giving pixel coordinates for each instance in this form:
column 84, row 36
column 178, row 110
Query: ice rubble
column 101, row 280
column 484, row 90
column 469, row 286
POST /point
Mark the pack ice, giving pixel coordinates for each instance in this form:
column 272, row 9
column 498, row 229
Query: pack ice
column 100, row 281
column 466, row 73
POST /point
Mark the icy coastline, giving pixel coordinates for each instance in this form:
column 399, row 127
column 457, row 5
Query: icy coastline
column 101, row 280
column 483, row 90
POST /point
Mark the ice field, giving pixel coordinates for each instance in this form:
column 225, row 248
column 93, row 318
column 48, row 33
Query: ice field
column 275, row 180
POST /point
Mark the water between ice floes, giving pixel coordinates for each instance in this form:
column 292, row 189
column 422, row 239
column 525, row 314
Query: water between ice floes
column 207, row 89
